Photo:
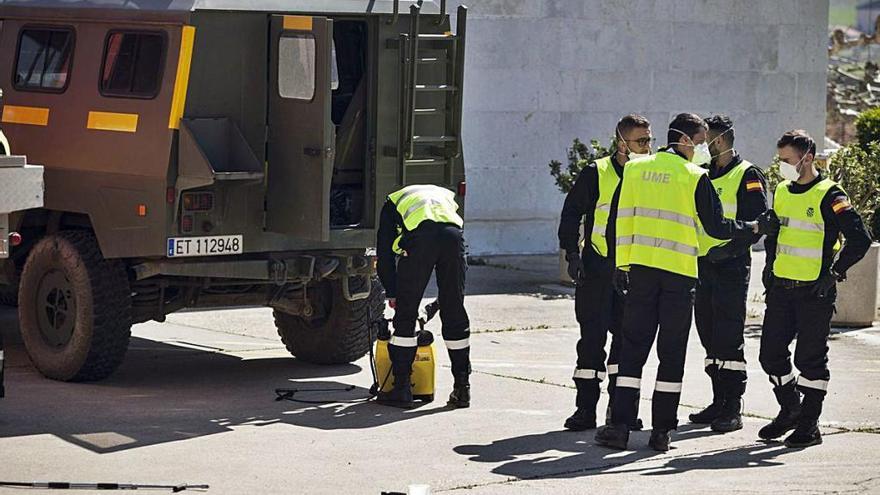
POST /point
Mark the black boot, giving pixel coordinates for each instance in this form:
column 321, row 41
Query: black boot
column 790, row 401
column 730, row 417
column 711, row 412
column 806, row 434
column 460, row 398
column 584, row 418
column 613, row 436
column 636, row 426
column 660, row 440
column 400, row 396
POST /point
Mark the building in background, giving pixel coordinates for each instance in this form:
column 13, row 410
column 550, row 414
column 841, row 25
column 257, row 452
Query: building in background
column 541, row 72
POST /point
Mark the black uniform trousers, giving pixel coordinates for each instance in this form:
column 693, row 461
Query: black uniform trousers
column 655, row 298
column 435, row 248
column 798, row 313
column 720, row 314
column 599, row 311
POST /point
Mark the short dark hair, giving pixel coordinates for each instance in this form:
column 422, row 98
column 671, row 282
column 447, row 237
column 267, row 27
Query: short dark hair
column 630, row 122
column 685, row 123
column 799, row 140
column 722, row 124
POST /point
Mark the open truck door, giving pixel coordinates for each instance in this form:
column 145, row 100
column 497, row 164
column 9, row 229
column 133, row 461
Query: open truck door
column 301, row 143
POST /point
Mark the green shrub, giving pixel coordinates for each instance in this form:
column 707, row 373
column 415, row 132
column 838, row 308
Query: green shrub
column 579, row 156
column 772, row 175
column 868, row 127
column 857, row 169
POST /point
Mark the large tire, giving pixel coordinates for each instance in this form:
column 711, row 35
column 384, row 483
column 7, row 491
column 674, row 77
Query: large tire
column 343, row 335
column 74, row 308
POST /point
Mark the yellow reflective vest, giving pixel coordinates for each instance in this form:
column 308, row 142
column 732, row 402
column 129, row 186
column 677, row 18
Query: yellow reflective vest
column 608, row 182
column 657, row 222
column 727, row 186
column 802, row 233
column 420, row 203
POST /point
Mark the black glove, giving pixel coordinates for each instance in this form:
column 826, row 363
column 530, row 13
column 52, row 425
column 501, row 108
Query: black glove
column 768, row 223
column 767, row 278
column 620, row 281
column 575, row 268
column 826, row 283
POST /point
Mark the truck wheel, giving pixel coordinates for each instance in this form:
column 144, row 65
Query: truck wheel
column 343, row 335
column 74, row 308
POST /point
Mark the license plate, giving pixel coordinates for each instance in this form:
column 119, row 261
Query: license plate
column 205, row 246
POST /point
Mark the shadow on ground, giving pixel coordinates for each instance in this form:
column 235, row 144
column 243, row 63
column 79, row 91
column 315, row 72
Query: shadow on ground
column 565, row 454
column 164, row 393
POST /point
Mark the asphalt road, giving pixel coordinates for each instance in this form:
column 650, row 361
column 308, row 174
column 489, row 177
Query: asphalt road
column 194, row 403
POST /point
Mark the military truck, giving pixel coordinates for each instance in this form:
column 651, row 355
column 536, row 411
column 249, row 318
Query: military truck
column 218, row 153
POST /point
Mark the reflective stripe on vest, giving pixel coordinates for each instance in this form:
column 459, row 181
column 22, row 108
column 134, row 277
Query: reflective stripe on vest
column 608, row 182
column 657, row 224
column 802, row 233
column 727, row 186
column 419, row 203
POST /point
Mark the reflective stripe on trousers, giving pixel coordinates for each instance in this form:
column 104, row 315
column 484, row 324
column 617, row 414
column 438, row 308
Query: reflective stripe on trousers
column 587, row 374
column 457, row 345
column 629, row 382
column 667, row 387
column 404, row 341
column 781, row 380
column 726, row 365
column 813, row 384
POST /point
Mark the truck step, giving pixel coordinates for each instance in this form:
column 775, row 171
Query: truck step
column 434, row 139
column 436, row 87
column 430, row 111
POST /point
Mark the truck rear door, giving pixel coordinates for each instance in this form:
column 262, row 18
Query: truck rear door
column 301, row 133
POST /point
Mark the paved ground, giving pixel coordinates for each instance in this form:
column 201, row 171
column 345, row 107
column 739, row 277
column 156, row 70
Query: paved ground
column 193, row 402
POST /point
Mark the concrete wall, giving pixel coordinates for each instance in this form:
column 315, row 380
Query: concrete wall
column 541, row 72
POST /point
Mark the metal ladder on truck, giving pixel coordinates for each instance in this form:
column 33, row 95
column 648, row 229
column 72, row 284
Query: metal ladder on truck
column 436, row 149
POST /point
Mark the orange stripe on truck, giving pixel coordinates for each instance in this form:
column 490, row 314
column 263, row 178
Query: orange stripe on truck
column 25, row 115
column 109, row 121
column 297, row 23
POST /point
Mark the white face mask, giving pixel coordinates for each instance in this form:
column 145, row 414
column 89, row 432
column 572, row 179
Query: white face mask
column 789, row 171
column 702, row 155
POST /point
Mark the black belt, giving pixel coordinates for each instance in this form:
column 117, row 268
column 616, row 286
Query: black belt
column 792, row 284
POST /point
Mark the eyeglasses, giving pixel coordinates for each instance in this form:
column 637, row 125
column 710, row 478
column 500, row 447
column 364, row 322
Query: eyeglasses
column 642, row 141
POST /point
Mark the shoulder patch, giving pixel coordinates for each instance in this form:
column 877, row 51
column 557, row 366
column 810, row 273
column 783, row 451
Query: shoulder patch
column 754, row 185
column 841, row 204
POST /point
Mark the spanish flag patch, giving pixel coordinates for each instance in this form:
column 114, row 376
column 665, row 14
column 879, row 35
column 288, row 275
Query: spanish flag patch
column 754, row 186
column 841, row 205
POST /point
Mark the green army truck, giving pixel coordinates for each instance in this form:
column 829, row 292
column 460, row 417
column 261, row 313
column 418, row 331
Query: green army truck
column 217, row 153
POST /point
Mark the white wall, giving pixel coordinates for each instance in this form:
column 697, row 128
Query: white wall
column 541, row 72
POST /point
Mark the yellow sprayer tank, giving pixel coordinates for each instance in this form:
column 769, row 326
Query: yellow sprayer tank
column 422, row 371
